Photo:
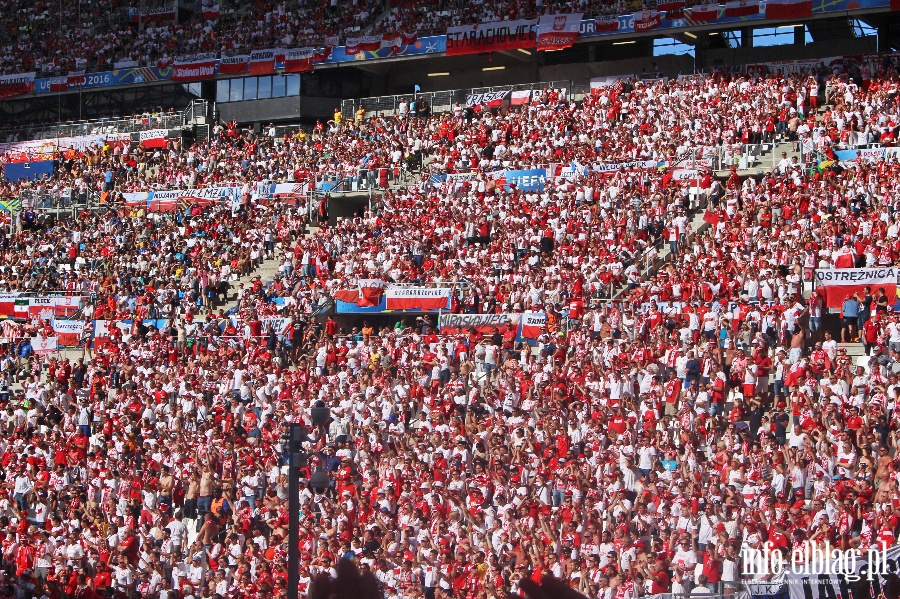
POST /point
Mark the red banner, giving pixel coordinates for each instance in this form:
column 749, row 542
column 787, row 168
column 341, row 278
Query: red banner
column 15, row 85
column 262, row 62
column 607, row 25
column 556, row 32
column 491, row 37
column 666, row 6
column 418, row 298
column 194, row 68
column 234, row 65
column 704, row 12
column 366, row 43
column 788, row 9
column 646, row 20
column 486, row 324
column 299, row 61
column 742, row 8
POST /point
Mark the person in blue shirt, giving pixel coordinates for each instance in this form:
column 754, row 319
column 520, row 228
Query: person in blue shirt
column 850, row 315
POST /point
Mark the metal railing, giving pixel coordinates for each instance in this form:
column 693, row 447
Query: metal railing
column 196, row 113
column 103, row 126
column 444, row 101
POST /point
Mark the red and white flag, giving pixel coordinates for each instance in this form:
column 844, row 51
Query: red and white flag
column 366, row 43
column 299, row 60
column 418, row 298
column 788, row 9
column 533, row 325
column 234, row 65
column 154, row 138
column 211, row 9
column 646, row 20
column 14, row 85
column 410, row 37
column 394, row 41
column 742, row 8
column 262, row 62
column 556, row 32
column 704, row 12
column 59, row 84
column 75, row 78
column 838, row 284
column 518, row 98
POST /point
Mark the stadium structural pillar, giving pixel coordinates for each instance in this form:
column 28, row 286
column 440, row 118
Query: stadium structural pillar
column 746, row 37
column 800, row 36
column 296, row 434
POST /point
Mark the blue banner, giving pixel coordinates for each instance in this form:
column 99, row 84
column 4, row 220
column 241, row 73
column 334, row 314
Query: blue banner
column 530, row 180
column 16, row 171
column 111, row 78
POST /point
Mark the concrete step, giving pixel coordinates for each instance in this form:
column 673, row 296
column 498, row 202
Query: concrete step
column 853, row 349
column 266, row 271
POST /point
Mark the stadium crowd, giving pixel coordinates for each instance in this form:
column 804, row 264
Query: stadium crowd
column 637, row 447
column 106, row 33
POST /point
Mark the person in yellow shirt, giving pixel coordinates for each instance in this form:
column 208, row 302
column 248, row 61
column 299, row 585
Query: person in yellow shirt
column 338, row 116
column 360, row 115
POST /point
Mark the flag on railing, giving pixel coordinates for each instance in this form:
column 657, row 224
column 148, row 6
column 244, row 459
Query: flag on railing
column 75, row 78
column 704, row 12
column 742, row 8
column 788, row 9
column 59, row 84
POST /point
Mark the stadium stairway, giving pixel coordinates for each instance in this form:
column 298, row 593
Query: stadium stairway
column 266, row 272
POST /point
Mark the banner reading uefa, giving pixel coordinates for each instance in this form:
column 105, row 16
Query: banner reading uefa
column 418, row 298
column 486, row 324
column 491, row 37
column 838, row 284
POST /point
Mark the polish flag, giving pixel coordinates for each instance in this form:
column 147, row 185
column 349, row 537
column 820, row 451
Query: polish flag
column 704, row 12
column 520, row 97
column 533, row 325
column 742, row 8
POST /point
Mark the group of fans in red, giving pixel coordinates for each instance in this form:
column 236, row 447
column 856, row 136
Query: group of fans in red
column 688, row 396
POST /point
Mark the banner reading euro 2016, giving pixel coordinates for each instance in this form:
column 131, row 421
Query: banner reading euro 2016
column 839, row 284
column 491, row 37
column 455, row 324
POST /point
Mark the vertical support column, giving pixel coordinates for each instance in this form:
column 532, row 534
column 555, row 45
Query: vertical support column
column 295, row 458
